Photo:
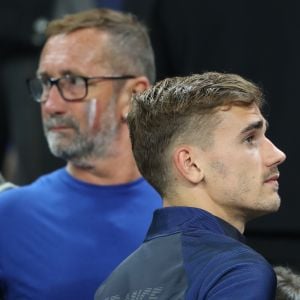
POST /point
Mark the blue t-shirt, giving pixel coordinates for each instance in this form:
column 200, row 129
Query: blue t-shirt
column 60, row 237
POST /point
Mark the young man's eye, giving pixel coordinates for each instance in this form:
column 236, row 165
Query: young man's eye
column 250, row 139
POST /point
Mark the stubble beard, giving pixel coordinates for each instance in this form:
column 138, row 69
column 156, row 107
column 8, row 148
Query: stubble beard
column 237, row 199
column 81, row 148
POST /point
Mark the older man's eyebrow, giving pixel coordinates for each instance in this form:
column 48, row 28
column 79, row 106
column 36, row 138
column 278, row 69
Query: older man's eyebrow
column 62, row 73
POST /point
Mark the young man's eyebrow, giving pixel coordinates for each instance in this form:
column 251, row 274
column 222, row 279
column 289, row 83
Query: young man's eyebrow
column 255, row 125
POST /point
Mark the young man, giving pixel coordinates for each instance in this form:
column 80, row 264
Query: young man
column 66, row 232
column 201, row 142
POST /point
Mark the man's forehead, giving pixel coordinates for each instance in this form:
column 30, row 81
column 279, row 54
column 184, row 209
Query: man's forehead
column 72, row 44
column 82, row 33
column 251, row 109
column 237, row 115
column 68, row 53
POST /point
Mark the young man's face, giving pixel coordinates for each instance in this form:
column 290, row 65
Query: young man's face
column 79, row 130
column 240, row 168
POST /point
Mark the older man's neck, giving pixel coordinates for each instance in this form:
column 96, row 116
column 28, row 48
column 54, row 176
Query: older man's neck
column 108, row 171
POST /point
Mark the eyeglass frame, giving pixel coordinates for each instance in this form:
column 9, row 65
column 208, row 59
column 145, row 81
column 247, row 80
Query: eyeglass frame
column 55, row 81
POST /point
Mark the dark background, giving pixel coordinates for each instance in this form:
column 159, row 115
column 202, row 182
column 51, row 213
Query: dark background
column 260, row 41
column 256, row 39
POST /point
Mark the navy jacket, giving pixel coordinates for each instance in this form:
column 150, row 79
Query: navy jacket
column 191, row 254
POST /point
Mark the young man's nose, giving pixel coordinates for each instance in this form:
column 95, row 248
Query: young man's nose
column 275, row 156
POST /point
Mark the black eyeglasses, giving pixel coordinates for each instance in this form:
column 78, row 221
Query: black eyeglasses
column 70, row 87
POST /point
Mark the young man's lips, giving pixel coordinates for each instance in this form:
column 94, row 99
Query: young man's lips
column 272, row 178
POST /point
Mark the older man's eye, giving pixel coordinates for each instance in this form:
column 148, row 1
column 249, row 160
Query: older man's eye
column 74, row 80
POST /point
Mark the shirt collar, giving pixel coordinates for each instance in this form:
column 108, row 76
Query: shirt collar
column 170, row 220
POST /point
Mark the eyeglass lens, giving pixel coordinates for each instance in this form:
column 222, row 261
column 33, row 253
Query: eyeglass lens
column 70, row 87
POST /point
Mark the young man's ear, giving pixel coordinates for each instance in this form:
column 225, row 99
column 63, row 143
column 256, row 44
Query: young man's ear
column 187, row 162
column 135, row 85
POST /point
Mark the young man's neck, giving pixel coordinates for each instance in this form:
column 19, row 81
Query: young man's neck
column 201, row 201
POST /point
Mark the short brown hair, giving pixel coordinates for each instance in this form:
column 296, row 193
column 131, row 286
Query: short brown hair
column 130, row 49
column 168, row 112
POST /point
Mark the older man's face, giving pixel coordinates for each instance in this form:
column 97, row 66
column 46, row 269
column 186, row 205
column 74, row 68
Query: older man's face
column 79, row 130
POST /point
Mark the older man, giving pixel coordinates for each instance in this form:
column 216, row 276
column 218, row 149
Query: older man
column 63, row 235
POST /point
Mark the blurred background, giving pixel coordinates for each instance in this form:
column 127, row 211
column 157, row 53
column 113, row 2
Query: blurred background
column 256, row 39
